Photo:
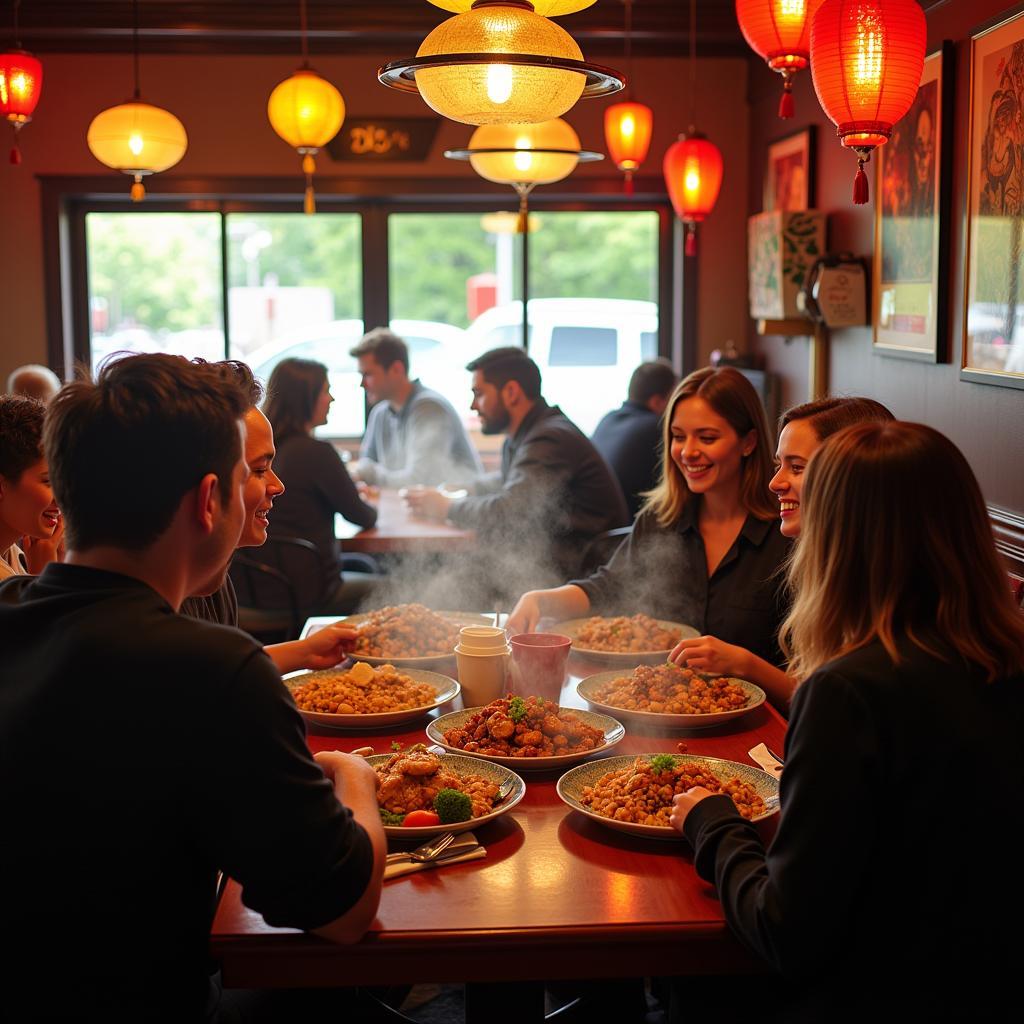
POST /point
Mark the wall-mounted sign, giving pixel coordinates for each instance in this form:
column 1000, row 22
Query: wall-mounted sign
column 384, row 138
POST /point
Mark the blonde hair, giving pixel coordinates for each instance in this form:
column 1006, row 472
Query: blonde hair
column 896, row 543
column 733, row 398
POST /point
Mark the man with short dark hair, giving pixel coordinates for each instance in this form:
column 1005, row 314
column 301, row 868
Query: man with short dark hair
column 143, row 751
column 413, row 435
column 629, row 437
column 554, row 492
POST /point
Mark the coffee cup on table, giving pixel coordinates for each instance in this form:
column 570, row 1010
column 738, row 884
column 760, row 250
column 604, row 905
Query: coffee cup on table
column 539, row 664
column 482, row 655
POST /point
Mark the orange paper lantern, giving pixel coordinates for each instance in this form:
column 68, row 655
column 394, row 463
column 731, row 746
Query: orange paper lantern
column 866, row 61
column 693, row 175
column 780, row 32
column 21, row 82
column 627, row 130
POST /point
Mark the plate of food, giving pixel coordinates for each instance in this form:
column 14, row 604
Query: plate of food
column 367, row 696
column 410, row 635
column 670, row 695
column 624, row 639
column 461, row 792
column 634, row 794
column 529, row 734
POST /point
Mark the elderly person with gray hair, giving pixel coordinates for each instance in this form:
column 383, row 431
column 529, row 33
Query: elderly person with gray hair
column 34, row 381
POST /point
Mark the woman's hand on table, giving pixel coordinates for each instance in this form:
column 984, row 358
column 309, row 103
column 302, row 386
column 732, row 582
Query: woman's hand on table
column 684, row 803
column 713, row 656
column 322, row 649
column 526, row 614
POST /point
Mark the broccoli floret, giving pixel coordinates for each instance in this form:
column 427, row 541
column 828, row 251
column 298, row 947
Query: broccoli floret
column 390, row 818
column 662, row 763
column 517, row 709
column 452, row 806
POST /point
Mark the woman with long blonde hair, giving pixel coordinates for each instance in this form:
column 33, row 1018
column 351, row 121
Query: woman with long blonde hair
column 705, row 547
column 904, row 738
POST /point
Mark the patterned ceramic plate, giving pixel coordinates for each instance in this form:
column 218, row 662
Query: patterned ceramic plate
column 587, row 687
column 571, row 785
column 613, row 733
column 445, row 688
column 572, row 626
column 440, row 660
column 461, row 765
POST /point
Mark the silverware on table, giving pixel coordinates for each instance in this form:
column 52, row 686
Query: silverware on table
column 765, row 759
column 504, row 790
column 431, row 850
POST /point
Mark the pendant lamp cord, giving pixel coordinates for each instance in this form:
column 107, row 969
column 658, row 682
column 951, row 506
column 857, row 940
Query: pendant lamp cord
column 135, row 46
column 17, row 37
column 629, row 49
column 302, row 23
column 693, row 64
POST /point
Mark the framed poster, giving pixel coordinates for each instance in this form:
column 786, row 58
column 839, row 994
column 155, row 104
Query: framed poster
column 993, row 322
column 912, row 181
column 789, row 181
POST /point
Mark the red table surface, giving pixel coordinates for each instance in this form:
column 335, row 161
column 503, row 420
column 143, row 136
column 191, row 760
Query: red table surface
column 558, row 895
column 398, row 531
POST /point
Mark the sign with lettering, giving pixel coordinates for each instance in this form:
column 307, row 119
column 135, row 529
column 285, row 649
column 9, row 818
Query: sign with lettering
column 384, row 138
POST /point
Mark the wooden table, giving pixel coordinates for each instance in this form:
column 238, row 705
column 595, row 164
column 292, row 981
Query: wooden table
column 399, row 531
column 558, row 896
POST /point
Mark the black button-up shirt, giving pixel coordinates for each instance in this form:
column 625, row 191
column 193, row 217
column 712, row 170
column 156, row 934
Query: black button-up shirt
column 663, row 571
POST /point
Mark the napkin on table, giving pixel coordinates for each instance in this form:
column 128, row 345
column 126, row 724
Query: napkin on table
column 467, row 842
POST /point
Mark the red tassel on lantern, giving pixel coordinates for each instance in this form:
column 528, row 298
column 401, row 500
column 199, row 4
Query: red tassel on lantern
column 21, row 82
column 866, row 62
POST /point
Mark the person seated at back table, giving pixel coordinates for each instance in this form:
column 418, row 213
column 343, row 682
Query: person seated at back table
column 318, row 485
column 34, row 381
column 413, row 435
column 554, row 492
column 143, row 751
column 706, row 549
column 889, row 890
column 28, row 513
column 628, row 437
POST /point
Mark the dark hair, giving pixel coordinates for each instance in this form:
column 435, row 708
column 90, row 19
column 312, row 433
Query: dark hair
column 21, row 434
column 501, row 365
column 241, row 374
column 125, row 450
column 294, row 387
column 654, row 379
column 830, row 415
column 385, row 346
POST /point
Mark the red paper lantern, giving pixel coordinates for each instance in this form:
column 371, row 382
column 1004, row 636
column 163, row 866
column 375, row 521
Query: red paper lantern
column 627, row 130
column 780, row 32
column 21, row 82
column 866, row 61
column 693, row 174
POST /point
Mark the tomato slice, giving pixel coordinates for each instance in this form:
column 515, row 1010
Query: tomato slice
column 420, row 819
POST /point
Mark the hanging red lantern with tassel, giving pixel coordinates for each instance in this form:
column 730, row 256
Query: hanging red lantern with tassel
column 627, row 130
column 780, row 32
column 693, row 175
column 866, row 62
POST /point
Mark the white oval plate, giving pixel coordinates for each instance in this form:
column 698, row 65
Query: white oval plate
column 421, row 661
column 461, row 764
column 570, row 789
column 571, row 627
column 613, row 733
column 446, row 689
column 586, row 687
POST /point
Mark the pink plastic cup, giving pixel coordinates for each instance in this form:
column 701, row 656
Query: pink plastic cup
column 539, row 662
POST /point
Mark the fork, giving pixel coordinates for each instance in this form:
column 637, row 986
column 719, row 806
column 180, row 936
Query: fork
column 427, row 852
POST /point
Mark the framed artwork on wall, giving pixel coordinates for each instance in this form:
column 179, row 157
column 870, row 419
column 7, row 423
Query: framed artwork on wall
column 789, row 181
column 993, row 322
column 912, row 181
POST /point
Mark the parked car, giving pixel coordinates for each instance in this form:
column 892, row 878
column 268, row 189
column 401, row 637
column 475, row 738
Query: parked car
column 586, row 348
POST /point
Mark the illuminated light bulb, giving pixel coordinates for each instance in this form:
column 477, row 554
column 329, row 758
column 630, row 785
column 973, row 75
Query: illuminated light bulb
column 135, row 144
column 499, row 83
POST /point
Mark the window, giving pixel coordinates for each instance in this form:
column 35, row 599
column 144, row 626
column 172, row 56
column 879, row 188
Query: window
column 583, row 346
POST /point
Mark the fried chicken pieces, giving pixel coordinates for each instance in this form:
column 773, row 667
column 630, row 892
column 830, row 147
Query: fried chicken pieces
column 409, row 781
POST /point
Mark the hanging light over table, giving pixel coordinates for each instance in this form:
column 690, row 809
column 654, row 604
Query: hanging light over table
column 135, row 137
column 866, row 61
column 501, row 61
column 307, row 112
column 780, row 32
column 21, row 82
column 628, row 125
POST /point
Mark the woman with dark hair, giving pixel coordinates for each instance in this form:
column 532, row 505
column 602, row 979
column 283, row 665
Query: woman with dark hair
column 705, row 547
column 318, row 485
column 904, row 738
column 801, row 432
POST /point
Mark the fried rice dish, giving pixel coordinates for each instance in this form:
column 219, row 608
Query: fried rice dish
column 363, row 690
column 530, row 727
column 670, row 689
column 406, row 631
column 642, row 793
column 625, row 634
column 411, row 780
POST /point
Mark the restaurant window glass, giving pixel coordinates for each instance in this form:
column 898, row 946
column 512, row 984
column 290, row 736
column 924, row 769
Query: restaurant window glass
column 154, row 284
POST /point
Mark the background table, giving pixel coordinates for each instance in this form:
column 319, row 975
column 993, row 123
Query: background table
column 558, row 896
column 399, row 531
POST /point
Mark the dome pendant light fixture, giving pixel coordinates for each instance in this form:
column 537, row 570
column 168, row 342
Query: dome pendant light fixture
column 21, row 82
column 307, row 112
column 866, row 62
column 693, row 165
column 501, row 62
column 627, row 126
column 135, row 137
column 780, row 32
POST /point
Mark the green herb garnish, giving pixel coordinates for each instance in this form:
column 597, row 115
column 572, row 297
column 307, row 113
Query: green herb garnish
column 390, row 818
column 662, row 763
column 396, row 746
column 517, row 709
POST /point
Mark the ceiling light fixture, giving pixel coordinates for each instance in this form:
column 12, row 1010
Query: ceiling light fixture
column 628, row 125
column 21, row 82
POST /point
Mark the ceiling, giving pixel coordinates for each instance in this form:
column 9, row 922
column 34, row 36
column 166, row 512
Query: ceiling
column 660, row 27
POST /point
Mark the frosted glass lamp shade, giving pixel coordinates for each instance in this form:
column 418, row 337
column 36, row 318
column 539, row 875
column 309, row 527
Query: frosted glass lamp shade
column 306, row 110
column 137, row 138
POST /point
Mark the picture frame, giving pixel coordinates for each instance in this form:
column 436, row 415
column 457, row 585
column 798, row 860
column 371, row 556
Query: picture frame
column 910, row 306
column 992, row 344
column 789, row 177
